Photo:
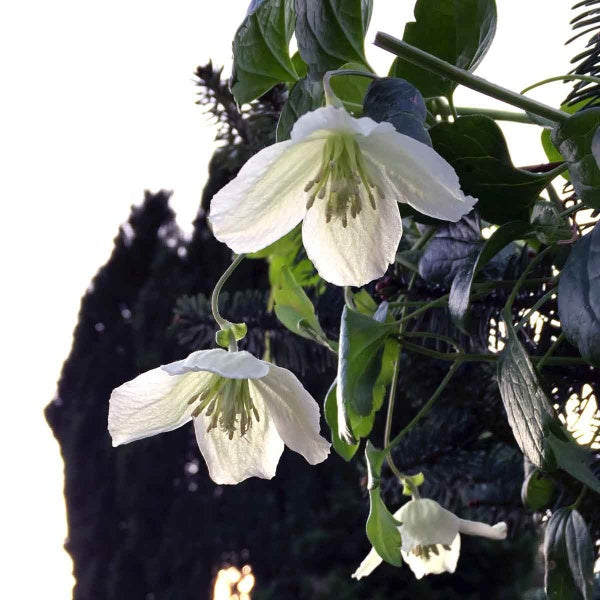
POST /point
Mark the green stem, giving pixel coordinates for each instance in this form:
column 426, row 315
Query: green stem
column 550, row 352
column 497, row 115
column 330, row 98
column 572, row 209
column 426, row 407
column 444, row 69
column 579, row 498
column 349, row 297
column 547, row 296
column 429, row 335
column 589, row 78
column 214, row 301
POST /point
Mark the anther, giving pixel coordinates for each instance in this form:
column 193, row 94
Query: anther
column 309, row 185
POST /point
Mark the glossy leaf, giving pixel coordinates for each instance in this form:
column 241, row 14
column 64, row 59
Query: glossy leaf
column 457, row 31
column 569, row 557
column 400, row 103
column 361, row 349
column 382, row 527
column 261, row 56
column 579, row 296
column 573, row 138
column 305, row 95
column 332, row 33
column 476, row 148
column 460, row 292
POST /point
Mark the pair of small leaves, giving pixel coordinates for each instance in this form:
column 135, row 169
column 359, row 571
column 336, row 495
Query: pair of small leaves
column 261, row 56
column 476, row 148
column 569, row 557
column 457, row 31
column 537, row 430
column 579, row 296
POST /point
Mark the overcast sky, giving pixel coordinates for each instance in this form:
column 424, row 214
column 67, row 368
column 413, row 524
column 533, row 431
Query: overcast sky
column 98, row 105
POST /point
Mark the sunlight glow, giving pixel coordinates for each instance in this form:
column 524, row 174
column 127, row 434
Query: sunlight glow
column 233, row 584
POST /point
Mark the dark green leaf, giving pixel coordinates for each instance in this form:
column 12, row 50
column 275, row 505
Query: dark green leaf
column 573, row 138
column 450, row 250
column 460, row 292
column 400, row 103
column 457, row 31
column 538, row 490
column 305, row 95
column 344, row 449
column 332, row 32
column 569, row 557
column 596, row 147
column 361, row 349
column 476, row 148
column 527, row 408
column 382, row 527
column 261, row 56
column 579, row 296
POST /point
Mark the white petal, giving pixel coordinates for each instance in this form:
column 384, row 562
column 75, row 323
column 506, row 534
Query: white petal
column 442, row 562
column 233, row 365
column 417, row 174
column 294, row 411
column 368, row 565
column 496, row 532
column 151, row 403
column 425, row 522
column 231, row 461
column 358, row 253
column 267, row 199
column 323, row 122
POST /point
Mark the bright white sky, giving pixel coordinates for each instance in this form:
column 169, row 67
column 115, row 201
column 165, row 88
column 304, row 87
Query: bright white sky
column 98, row 105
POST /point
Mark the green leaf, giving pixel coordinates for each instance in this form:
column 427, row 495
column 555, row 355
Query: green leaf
column 573, row 138
column 569, row 557
column 457, row 31
column 364, row 303
column 351, row 89
column 400, row 103
column 294, row 308
column 305, row 95
column 460, row 292
column 476, row 148
column 332, row 33
column 361, row 349
column 235, row 331
column 538, row 490
column 344, row 449
column 382, row 527
column 529, row 412
column 596, row 147
column 261, row 56
column 579, row 296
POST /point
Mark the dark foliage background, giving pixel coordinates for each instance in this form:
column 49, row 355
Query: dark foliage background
column 146, row 522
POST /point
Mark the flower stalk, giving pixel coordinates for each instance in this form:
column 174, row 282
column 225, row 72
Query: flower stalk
column 214, row 300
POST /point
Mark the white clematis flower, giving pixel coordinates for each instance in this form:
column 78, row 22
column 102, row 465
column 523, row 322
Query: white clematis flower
column 431, row 538
column 244, row 410
column 344, row 177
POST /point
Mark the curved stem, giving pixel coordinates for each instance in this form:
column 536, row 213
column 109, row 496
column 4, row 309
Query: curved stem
column 529, row 312
column 444, row 69
column 330, row 98
column 550, row 351
column 589, row 78
column 426, row 407
column 214, row 300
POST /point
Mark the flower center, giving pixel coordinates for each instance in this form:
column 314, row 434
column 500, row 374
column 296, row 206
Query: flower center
column 425, row 551
column 228, row 405
column 343, row 180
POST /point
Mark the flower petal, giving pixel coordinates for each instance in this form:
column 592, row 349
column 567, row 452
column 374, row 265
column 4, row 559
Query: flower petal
column 230, row 461
column 415, row 173
column 151, row 403
column 495, row 532
column 432, row 563
column 368, row 565
column 267, row 199
column 322, row 122
column 425, row 522
column 294, row 411
column 233, row 365
column 358, row 253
